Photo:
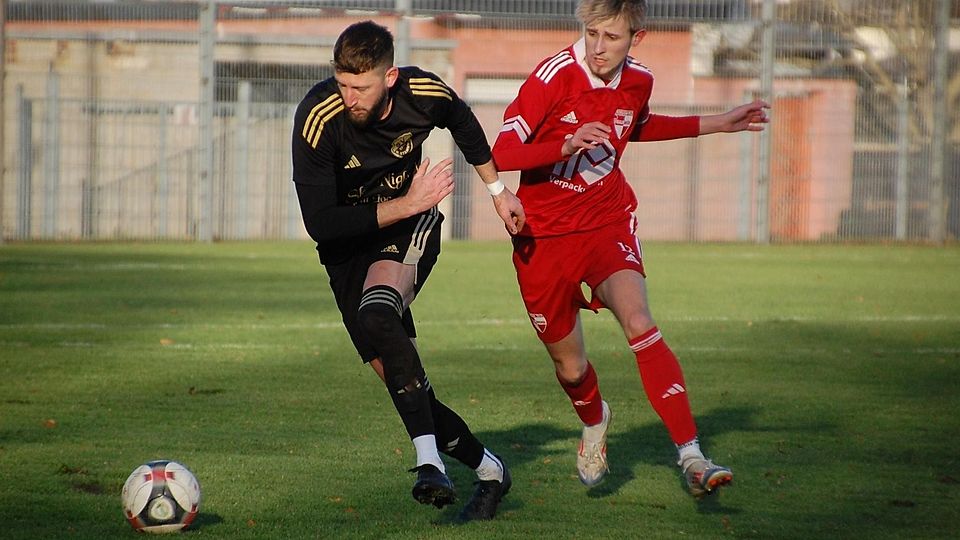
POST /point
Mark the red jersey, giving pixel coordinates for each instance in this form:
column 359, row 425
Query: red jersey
column 586, row 190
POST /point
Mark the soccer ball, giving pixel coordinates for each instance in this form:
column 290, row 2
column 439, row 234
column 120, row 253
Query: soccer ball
column 160, row 496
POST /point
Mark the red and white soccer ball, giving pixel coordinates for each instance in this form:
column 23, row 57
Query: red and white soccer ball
column 160, row 497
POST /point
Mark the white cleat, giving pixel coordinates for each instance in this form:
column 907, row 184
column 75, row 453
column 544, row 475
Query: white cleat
column 592, row 456
column 703, row 477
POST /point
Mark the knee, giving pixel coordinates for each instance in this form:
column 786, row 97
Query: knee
column 570, row 371
column 375, row 318
column 381, row 308
column 638, row 323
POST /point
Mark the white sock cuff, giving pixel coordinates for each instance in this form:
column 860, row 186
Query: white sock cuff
column 426, row 447
column 490, row 467
column 689, row 449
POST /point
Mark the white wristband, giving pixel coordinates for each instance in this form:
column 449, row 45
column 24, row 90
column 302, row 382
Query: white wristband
column 495, row 188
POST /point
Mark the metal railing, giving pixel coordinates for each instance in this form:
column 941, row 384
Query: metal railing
column 171, row 120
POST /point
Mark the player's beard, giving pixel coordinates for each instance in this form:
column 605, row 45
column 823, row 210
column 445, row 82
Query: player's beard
column 362, row 118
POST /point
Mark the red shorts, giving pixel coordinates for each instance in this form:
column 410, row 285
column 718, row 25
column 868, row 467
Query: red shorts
column 550, row 271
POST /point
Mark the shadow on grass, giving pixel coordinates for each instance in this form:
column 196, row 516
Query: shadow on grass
column 205, row 519
column 645, row 445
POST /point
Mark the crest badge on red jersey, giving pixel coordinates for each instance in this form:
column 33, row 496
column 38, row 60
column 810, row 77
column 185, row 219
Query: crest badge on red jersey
column 622, row 120
column 539, row 322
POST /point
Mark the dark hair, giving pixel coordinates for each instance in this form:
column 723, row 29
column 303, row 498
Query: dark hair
column 362, row 47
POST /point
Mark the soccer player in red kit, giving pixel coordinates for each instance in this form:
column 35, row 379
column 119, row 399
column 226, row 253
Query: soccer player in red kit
column 566, row 131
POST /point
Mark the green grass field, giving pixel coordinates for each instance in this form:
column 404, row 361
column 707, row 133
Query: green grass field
column 826, row 377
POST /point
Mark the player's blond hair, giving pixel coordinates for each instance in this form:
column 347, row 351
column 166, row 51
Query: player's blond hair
column 633, row 11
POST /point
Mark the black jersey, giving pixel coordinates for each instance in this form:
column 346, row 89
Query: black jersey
column 342, row 171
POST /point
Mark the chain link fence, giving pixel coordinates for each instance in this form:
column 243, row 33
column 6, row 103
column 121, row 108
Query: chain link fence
column 143, row 120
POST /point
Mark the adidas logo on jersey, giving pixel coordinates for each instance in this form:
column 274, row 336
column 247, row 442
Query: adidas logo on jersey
column 353, row 163
column 569, row 118
column 392, row 248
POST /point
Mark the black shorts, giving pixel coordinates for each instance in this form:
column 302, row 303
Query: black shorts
column 414, row 240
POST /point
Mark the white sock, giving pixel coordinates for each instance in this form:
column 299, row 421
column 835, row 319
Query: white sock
column 426, row 447
column 595, row 432
column 689, row 450
column 490, row 468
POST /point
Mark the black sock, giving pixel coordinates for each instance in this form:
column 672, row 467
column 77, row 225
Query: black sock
column 379, row 316
column 453, row 435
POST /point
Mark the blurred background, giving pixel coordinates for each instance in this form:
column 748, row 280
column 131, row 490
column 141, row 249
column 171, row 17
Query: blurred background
column 171, row 120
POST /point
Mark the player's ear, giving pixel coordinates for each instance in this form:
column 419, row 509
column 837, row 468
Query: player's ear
column 638, row 37
column 391, row 76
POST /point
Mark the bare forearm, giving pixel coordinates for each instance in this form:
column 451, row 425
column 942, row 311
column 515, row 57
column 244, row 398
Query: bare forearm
column 712, row 123
column 748, row 117
column 392, row 211
column 488, row 172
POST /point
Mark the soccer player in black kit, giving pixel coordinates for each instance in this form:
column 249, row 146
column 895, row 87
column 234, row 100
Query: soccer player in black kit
column 371, row 206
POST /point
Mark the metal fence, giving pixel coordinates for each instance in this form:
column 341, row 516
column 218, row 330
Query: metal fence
column 171, row 119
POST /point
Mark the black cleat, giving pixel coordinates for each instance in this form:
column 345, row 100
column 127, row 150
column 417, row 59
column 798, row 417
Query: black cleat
column 489, row 493
column 433, row 487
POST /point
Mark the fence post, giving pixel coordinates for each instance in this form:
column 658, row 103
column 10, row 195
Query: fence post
column 89, row 196
column 206, row 45
column 938, row 206
column 693, row 191
column 25, row 159
column 51, row 155
column 240, row 221
column 163, row 176
column 403, row 8
column 769, row 13
column 902, row 194
column 745, row 191
column 3, row 110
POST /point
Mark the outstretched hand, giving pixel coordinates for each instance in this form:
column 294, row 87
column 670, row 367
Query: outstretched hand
column 430, row 185
column 748, row 117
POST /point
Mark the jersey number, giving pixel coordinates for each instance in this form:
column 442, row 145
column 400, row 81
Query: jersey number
column 591, row 166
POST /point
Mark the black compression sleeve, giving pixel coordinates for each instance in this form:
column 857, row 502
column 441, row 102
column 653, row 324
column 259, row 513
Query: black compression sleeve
column 468, row 134
column 325, row 222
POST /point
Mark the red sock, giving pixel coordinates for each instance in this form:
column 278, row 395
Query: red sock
column 585, row 397
column 663, row 383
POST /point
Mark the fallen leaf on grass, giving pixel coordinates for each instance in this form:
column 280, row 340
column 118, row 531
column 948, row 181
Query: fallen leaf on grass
column 66, row 469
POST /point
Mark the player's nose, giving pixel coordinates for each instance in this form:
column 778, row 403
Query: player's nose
column 349, row 97
column 599, row 46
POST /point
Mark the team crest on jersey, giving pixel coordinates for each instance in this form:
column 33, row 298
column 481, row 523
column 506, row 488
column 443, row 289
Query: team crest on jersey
column 622, row 120
column 539, row 321
column 402, row 145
